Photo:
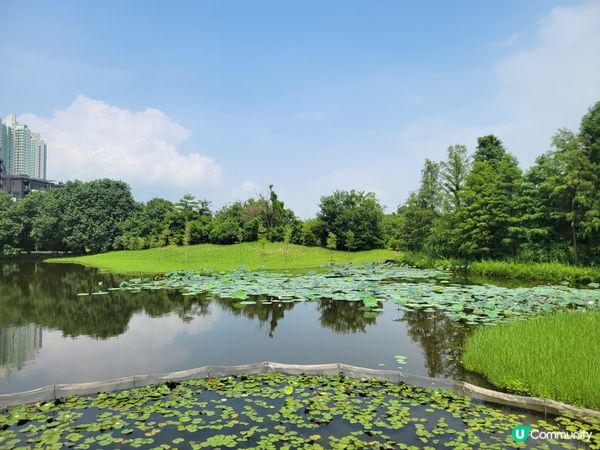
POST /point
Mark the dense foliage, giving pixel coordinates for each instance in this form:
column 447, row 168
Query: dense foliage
column 485, row 207
column 101, row 215
column 81, row 217
column 350, row 220
column 471, row 207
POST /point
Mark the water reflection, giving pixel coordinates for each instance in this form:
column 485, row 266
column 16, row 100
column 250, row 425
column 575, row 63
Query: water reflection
column 100, row 337
column 267, row 315
column 46, row 294
column 344, row 317
column 18, row 344
column 440, row 339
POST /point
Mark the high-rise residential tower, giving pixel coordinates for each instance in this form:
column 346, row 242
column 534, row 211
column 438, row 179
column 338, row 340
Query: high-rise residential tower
column 22, row 151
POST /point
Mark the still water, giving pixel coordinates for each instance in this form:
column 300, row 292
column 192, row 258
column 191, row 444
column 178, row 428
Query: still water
column 50, row 335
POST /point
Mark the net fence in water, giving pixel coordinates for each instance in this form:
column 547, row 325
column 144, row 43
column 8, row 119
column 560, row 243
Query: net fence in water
column 539, row 405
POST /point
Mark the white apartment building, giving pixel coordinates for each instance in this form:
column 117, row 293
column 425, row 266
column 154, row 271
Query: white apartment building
column 22, row 151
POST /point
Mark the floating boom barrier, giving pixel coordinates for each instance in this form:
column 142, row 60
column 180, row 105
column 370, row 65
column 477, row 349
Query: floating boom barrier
column 539, row 405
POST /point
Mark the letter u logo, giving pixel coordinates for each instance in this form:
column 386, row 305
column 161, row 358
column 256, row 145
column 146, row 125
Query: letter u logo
column 520, row 433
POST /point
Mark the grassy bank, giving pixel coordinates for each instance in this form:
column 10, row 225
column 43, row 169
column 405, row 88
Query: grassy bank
column 553, row 356
column 275, row 256
column 552, row 272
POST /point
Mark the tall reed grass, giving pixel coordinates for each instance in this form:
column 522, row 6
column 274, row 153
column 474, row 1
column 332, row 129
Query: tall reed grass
column 554, row 356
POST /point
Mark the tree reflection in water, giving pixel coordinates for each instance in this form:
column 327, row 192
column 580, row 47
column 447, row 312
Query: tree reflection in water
column 344, row 317
column 46, row 294
column 440, row 339
column 267, row 314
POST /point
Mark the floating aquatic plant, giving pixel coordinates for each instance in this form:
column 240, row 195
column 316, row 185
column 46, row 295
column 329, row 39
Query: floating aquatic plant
column 371, row 284
column 264, row 411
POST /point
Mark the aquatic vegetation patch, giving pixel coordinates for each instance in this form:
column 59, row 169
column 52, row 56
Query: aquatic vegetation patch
column 272, row 411
column 554, row 272
column 371, row 284
column 553, row 356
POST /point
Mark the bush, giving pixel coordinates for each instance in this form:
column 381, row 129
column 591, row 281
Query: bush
column 9, row 250
column 225, row 232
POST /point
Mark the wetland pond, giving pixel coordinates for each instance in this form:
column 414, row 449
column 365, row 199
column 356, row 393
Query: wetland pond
column 62, row 323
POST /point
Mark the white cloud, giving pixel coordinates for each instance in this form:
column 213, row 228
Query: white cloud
column 111, row 358
column 541, row 85
column 552, row 83
column 506, row 42
column 91, row 139
column 248, row 189
column 546, row 86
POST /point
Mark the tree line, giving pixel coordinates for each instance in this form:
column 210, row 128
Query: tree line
column 485, row 207
column 471, row 207
column 101, row 215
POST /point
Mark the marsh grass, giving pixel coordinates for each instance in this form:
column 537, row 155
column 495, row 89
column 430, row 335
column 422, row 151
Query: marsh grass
column 257, row 255
column 552, row 272
column 553, row 356
column 424, row 261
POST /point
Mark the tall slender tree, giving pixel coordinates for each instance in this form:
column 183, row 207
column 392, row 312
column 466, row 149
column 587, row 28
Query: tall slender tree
column 422, row 208
column 491, row 188
column 453, row 175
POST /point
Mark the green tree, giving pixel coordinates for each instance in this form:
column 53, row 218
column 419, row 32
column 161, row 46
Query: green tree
column 453, row 175
column 287, row 238
column 589, row 133
column 224, row 232
column 392, row 225
column 262, row 237
column 354, row 211
column 23, row 213
column 422, row 209
column 186, row 239
column 573, row 190
column 350, row 241
column 310, row 233
column 191, row 207
column 488, row 208
column 240, row 239
column 187, row 209
column 274, row 214
column 490, row 150
column 10, row 230
column 147, row 224
column 563, row 196
column 92, row 214
column 331, row 243
column 200, row 230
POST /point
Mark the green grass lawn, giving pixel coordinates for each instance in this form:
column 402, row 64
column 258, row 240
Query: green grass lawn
column 552, row 272
column 276, row 256
column 553, row 356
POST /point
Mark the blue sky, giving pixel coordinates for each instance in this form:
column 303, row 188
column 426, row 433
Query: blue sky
column 223, row 98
